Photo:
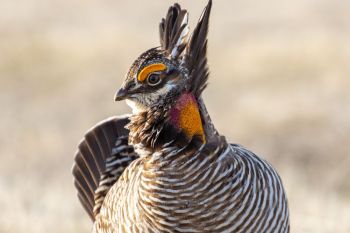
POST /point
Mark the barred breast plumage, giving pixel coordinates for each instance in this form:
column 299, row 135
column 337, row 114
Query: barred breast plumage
column 226, row 189
column 165, row 168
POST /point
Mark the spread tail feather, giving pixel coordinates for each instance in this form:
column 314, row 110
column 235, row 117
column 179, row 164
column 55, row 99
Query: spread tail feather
column 102, row 156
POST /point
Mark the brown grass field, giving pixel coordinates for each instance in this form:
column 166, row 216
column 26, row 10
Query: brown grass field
column 279, row 85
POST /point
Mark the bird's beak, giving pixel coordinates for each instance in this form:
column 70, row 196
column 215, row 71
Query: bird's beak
column 122, row 94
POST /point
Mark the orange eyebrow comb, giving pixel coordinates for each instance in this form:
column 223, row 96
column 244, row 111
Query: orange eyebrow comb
column 149, row 69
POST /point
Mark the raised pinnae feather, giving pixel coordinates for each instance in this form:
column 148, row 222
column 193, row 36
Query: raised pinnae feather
column 196, row 54
column 173, row 31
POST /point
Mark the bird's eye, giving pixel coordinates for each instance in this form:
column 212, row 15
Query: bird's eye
column 153, row 79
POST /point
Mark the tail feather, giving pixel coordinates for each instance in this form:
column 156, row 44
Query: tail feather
column 102, row 156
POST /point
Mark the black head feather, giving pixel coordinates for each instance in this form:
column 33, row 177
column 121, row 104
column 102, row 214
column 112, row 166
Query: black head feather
column 173, row 31
column 196, row 54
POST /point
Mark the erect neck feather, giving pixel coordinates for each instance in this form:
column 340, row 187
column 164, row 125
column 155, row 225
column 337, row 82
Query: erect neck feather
column 185, row 116
column 159, row 126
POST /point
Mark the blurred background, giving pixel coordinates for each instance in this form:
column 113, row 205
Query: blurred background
column 279, row 86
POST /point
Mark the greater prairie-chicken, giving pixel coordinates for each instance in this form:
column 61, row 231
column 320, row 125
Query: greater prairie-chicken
column 165, row 168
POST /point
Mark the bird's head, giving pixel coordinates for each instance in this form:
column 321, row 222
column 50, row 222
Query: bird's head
column 160, row 75
column 171, row 77
column 154, row 80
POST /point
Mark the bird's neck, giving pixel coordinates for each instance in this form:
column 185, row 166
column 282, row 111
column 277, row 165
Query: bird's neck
column 185, row 117
column 182, row 123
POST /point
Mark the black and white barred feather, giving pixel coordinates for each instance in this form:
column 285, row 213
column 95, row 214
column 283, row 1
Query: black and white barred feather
column 219, row 188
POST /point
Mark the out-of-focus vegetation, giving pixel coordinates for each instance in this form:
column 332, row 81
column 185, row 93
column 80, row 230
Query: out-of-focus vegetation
column 279, row 85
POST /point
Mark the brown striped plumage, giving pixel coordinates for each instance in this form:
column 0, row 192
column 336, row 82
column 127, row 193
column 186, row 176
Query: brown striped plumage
column 166, row 168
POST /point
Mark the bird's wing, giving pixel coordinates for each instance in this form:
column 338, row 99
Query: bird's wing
column 101, row 158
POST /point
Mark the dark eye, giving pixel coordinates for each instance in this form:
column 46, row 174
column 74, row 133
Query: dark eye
column 153, row 79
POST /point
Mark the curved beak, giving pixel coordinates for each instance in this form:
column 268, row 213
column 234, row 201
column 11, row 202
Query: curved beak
column 122, row 94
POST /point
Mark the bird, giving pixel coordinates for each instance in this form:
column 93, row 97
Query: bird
column 165, row 167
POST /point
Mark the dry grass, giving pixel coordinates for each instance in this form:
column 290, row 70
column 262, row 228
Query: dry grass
column 279, row 85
